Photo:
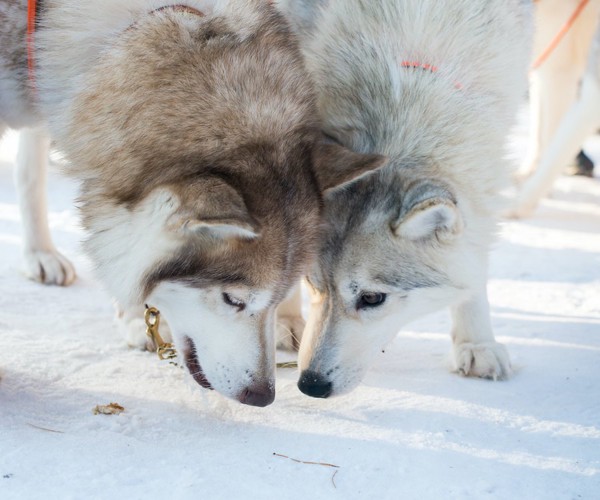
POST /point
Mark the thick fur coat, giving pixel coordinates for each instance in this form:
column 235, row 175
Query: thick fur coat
column 193, row 131
column 435, row 86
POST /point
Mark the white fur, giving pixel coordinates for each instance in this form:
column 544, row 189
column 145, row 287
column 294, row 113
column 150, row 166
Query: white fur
column 42, row 261
column 228, row 341
column 127, row 243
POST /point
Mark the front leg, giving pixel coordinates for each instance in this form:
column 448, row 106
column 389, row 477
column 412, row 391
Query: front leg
column 476, row 353
column 42, row 261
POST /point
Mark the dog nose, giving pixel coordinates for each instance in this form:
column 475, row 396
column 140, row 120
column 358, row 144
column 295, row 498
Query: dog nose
column 257, row 395
column 315, row 385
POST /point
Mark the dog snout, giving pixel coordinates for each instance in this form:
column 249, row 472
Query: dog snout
column 314, row 384
column 258, row 395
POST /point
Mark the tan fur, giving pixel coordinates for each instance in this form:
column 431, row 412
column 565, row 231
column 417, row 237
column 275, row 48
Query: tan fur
column 194, row 138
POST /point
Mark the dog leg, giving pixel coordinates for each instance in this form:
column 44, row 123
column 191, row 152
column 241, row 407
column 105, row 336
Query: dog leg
column 476, row 353
column 551, row 95
column 580, row 122
column 42, row 261
column 290, row 323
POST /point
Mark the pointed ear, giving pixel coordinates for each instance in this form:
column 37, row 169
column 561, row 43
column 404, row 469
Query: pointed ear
column 436, row 216
column 337, row 166
column 222, row 228
column 211, row 207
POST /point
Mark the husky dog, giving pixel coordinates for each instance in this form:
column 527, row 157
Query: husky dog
column 434, row 85
column 564, row 96
column 193, row 131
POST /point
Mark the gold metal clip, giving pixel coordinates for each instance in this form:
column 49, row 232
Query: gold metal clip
column 165, row 350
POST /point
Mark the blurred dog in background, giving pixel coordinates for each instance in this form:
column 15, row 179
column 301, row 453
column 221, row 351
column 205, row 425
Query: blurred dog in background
column 564, row 97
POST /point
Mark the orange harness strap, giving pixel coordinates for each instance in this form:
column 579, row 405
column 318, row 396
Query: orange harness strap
column 559, row 36
column 31, row 19
column 426, row 67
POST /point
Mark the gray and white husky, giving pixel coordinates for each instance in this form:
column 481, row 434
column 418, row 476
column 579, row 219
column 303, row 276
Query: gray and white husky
column 434, row 85
column 193, row 130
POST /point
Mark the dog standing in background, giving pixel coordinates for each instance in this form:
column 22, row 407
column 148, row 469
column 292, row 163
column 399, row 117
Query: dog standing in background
column 564, row 97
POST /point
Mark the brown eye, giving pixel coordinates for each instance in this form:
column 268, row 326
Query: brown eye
column 233, row 302
column 370, row 299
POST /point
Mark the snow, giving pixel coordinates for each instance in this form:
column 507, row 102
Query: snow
column 413, row 429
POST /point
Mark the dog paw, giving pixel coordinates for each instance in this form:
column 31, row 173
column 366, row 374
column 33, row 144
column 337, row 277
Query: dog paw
column 289, row 332
column 520, row 209
column 486, row 360
column 49, row 267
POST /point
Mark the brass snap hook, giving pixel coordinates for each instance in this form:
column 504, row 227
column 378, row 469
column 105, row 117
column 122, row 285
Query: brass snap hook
column 164, row 350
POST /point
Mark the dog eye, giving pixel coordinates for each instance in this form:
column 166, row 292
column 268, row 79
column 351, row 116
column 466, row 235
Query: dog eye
column 370, row 299
column 233, row 302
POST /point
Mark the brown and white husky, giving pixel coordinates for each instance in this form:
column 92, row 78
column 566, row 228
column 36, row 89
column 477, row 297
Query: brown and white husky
column 193, row 131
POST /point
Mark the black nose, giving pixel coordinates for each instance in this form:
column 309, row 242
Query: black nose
column 315, row 385
column 257, row 395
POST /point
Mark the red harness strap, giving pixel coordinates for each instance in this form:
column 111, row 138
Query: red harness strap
column 31, row 19
column 426, row 67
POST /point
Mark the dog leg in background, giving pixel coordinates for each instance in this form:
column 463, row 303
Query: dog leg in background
column 551, row 95
column 554, row 86
column 476, row 353
column 582, row 120
column 42, row 261
column 290, row 323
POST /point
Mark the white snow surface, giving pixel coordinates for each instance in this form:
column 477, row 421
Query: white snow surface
column 413, row 429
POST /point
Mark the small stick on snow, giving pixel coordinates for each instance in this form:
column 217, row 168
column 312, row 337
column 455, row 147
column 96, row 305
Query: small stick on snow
column 306, row 462
column 43, row 428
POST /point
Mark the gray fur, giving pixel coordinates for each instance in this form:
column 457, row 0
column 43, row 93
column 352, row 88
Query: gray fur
column 426, row 220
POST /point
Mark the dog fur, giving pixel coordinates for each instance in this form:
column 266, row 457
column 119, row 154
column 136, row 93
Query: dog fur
column 435, row 86
column 564, row 99
column 194, row 138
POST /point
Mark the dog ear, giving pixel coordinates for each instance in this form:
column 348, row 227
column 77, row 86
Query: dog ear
column 211, row 207
column 222, row 227
column 337, row 166
column 436, row 215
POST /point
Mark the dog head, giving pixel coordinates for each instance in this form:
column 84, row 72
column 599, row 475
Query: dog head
column 196, row 138
column 395, row 249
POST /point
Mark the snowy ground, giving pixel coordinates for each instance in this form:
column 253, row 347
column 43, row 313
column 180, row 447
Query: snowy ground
column 411, row 430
